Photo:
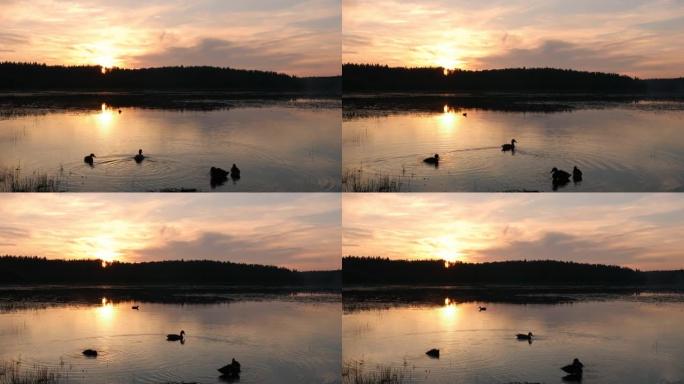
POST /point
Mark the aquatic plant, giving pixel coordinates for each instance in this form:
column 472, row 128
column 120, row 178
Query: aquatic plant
column 353, row 373
column 11, row 180
column 353, row 181
column 13, row 372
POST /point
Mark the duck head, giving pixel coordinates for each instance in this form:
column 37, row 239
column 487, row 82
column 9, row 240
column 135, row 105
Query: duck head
column 529, row 334
column 182, row 333
column 554, row 170
column 513, row 141
column 436, row 156
column 92, row 155
column 139, row 151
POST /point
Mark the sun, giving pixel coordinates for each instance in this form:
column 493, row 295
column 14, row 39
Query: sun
column 103, row 54
column 105, row 249
column 448, row 249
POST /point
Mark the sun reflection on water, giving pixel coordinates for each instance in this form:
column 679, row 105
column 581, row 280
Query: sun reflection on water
column 106, row 310
column 449, row 311
column 105, row 117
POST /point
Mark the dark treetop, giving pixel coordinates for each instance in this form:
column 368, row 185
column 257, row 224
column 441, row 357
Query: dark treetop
column 35, row 270
column 379, row 271
column 33, row 76
column 379, row 78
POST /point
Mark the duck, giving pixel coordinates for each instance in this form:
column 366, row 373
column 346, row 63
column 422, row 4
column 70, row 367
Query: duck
column 575, row 367
column 139, row 157
column 172, row 337
column 509, row 147
column 522, row 336
column 218, row 176
column 482, row 308
column 465, row 114
column 434, row 353
column 90, row 353
column 576, row 175
column 559, row 175
column 89, row 159
column 432, row 160
column 136, row 307
column 119, row 111
column 234, row 172
column 231, row 370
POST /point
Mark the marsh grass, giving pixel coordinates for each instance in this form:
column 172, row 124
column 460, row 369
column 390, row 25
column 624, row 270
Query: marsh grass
column 12, row 372
column 353, row 373
column 11, row 180
column 353, row 181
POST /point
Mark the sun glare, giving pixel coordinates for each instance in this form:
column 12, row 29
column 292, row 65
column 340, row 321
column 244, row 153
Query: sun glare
column 448, row 249
column 105, row 249
column 105, row 117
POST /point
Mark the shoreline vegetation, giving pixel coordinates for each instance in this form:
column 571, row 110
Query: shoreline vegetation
column 376, row 271
column 35, row 76
column 375, row 78
column 35, row 270
column 14, row 372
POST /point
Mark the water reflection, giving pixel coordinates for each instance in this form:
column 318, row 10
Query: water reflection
column 278, row 146
column 275, row 341
column 618, row 146
column 620, row 339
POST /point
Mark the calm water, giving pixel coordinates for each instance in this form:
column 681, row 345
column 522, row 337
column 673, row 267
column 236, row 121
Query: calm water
column 619, row 339
column 276, row 341
column 279, row 146
column 619, row 146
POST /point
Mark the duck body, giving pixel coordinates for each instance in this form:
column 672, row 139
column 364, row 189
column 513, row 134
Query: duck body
column 509, row 147
column 234, row 172
column 139, row 157
column 576, row 175
column 434, row 353
column 434, row 160
column 173, row 337
column 522, row 336
column 575, row 368
column 90, row 353
column 136, row 307
column 231, row 370
column 482, row 309
column 218, row 176
column 89, row 159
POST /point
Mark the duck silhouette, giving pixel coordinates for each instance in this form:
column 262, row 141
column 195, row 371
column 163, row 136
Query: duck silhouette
column 218, row 176
column 173, row 337
column 434, row 353
column 90, row 353
column 231, row 370
column 136, row 307
column 89, row 159
column 139, row 157
column 434, row 160
column 576, row 175
column 509, row 147
column 234, row 172
column 465, row 114
column 559, row 178
column 522, row 336
column 574, row 371
column 482, row 308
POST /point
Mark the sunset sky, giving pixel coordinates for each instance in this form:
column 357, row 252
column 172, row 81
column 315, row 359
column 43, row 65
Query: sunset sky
column 641, row 231
column 300, row 231
column 634, row 37
column 300, row 37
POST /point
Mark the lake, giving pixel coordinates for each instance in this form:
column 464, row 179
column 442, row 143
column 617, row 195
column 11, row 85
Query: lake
column 619, row 338
column 621, row 145
column 282, row 144
column 276, row 339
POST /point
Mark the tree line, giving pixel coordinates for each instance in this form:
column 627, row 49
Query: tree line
column 35, row 76
column 38, row 270
column 369, row 77
column 383, row 271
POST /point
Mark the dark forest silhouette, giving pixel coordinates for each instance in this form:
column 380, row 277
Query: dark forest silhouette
column 368, row 78
column 36, row 270
column 381, row 271
column 34, row 76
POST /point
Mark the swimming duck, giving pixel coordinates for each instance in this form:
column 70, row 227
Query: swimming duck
column 234, row 172
column 434, row 160
column 434, row 353
column 574, row 368
column 231, row 370
column 559, row 175
column 172, row 337
column 522, row 336
column 89, row 159
column 136, row 307
column 218, row 176
column 482, row 309
column 90, row 353
column 465, row 114
column 509, row 147
column 576, row 175
column 139, row 157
